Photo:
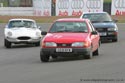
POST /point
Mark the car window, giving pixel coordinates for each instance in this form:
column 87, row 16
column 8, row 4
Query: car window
column 69, row 27
column 19, row 23
column 29, row 24
column 98, row 17
column 92, row 27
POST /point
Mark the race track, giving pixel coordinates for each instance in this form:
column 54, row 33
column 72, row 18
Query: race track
column 21, row 64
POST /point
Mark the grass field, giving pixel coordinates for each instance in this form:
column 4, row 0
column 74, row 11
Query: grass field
column 50, row 19
column 39, row 19
column 107, row 1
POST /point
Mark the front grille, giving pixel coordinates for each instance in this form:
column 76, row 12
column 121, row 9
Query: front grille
column 63, row 45
column 101, row 29
column 23, row 38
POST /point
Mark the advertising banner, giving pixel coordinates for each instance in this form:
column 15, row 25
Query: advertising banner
column 77, row 7
column 118, row 7
column 42, row 7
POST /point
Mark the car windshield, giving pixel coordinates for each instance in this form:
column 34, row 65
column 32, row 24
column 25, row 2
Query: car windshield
column 69, row 27
column 20, row 23
column 98, row 17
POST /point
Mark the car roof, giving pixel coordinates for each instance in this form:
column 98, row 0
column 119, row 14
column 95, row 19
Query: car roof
column 71, row 20
column 94, row 12
column 21, row 19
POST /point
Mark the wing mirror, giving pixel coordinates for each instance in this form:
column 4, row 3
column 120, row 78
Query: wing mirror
column 115, row 20
column 43, row 33
column 39, row 27
column 6, row 26
column 94, row 32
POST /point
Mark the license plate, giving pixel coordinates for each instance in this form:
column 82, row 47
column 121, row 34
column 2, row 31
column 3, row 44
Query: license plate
column 103, row 34
column 63, row 49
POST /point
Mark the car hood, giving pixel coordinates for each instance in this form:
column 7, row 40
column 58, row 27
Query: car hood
column 16, row 32
column 66, row 37
column 104, row 25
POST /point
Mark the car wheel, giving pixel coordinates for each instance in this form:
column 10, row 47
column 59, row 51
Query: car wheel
column 96, row 52
column 7, row 44
column 43, row 57
column 89, row 55
column 100, row 43
column 114, row 40
column 37, row 44
column 54, row 56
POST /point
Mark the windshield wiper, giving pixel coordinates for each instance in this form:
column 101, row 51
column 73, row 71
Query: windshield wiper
column 106, row 21
column 100, row 21
column 65, row 31
column 82, row 31
column 20, row 26
column 60, row 31
column 95, row 21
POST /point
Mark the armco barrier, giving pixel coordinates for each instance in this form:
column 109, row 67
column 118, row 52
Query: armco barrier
column 15, row 11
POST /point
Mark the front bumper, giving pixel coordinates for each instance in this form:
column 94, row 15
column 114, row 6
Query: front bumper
column 103, row 38
column 75, row 51
column 108, row 35
column 31, row 40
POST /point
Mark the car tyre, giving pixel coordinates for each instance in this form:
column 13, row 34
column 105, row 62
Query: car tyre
column 7, row 44
column 43, row 57
column 54, row 56
column 114, row 40
column 89, row 55
column 37, row 44
column 96, row 52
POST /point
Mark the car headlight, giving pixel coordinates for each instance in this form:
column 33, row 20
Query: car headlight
column 78, row 44
column 50, row 44
column 38, row 34
column 112, row 29
column 9, row 34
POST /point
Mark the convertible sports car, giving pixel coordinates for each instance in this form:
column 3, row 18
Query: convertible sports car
column 21, row 31
column 70, row 37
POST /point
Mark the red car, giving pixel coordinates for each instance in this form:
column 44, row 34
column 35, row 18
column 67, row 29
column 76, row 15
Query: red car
column 70, row 37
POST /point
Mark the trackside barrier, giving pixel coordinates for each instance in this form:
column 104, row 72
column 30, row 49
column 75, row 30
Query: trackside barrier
column 15, row 11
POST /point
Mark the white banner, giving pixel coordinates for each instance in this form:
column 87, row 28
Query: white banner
column 118, row 7
column 42, row 7
column 77, row 7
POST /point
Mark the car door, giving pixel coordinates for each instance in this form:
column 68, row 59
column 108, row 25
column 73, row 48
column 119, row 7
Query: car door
column 94, row 37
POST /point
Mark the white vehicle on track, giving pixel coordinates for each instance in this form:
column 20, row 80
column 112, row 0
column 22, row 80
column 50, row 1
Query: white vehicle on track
column 21, row 31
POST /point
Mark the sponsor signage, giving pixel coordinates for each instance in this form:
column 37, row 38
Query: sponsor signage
column 118, row 7
column 77, row 7
column 42, row 7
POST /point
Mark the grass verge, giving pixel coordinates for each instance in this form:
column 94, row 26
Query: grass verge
column 50, row 19
column 107, row 1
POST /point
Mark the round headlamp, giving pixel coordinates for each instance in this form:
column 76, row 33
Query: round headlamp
column 9, row 33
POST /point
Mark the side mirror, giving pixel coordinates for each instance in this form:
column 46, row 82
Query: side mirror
column 43, row 33
column 39, row 27
column 6, row 26
column 94, row 33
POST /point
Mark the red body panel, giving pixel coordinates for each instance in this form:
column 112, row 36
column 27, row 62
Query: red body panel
column 66, row 37
column 71, row 37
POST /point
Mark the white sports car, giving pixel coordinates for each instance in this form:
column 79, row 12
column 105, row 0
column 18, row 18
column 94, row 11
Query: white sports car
column 22, row 31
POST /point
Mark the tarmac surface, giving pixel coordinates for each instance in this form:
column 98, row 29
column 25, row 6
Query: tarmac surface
column 21, row 64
